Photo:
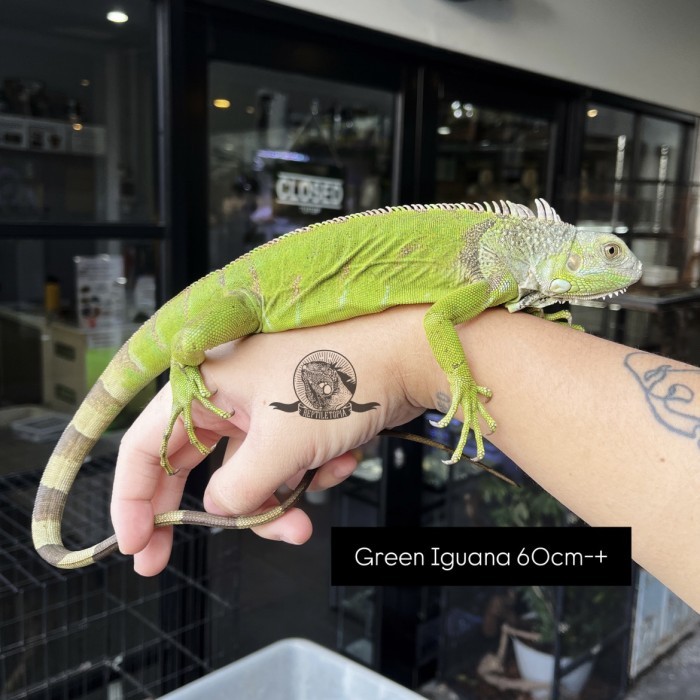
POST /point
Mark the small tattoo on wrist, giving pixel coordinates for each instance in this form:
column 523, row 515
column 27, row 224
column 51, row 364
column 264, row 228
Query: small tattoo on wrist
column 442, row 402
column 324, row 382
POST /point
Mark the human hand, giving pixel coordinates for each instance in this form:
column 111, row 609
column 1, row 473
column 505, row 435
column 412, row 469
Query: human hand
column 555, row 393
column 267, row 446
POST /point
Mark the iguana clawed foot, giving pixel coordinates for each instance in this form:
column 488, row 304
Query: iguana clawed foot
column 562, row 315
column 187, row 385
column 465, row 394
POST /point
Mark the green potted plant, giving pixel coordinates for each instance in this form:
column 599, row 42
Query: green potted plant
column 589, row 612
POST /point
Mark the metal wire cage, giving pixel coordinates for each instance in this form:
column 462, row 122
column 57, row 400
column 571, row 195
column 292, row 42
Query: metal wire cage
column 104, row 631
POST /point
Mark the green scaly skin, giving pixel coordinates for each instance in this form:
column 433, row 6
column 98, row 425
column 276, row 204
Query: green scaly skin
column 461, row 259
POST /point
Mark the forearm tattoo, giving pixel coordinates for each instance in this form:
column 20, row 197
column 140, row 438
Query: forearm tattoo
column 671, row 393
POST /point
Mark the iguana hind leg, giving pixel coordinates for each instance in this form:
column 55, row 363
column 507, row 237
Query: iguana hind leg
column 217, row 324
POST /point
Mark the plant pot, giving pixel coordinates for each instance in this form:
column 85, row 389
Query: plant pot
column 537, row 666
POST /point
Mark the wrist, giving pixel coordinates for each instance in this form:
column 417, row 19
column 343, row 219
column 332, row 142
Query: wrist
column 424, row 384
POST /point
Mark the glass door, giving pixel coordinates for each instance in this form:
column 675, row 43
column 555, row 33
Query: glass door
column 633, row 181
column 487, row 154
column 292, row 143
column 287, row 150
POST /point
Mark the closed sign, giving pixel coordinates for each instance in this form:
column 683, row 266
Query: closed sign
column 310, row 193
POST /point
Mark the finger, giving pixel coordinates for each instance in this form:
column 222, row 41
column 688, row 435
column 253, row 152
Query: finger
column 137, row 476
column 260, row 465
column 140, row 479
column 143, row 490
column 152, row 558
column 248, row 477
column 333, row 472
column 295, row 527
column 231, row 489
column 153, row 548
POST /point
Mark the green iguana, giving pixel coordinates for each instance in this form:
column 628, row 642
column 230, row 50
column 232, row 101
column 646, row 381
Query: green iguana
column 461, row 258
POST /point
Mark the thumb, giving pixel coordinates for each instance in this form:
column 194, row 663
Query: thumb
column 250, row 474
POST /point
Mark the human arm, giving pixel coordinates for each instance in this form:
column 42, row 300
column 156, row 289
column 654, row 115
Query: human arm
column 573, row 414
column 570, row 412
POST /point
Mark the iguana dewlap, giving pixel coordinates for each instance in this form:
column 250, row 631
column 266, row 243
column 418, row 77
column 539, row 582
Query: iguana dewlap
column 460, row 258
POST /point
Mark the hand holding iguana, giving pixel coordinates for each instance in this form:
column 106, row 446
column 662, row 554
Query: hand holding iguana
column 611, row 432
column 460, row 258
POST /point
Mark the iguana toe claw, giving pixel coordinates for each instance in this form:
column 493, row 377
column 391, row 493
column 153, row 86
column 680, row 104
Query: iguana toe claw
column 439, row 423
column 465, row 394
column 187, row 385
column 214, row 409
column 165, row 462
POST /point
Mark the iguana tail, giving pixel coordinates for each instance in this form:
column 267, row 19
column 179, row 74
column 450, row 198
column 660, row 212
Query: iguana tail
column 117, row 386
column 144, row 356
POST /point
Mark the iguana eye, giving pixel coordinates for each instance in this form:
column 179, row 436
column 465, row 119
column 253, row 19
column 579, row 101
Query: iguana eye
column 612, row 250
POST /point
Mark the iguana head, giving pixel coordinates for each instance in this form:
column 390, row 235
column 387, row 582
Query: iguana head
column 559, row 263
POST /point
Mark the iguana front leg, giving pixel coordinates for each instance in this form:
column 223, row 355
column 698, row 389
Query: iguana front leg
column 219, row 323
column 439, row 323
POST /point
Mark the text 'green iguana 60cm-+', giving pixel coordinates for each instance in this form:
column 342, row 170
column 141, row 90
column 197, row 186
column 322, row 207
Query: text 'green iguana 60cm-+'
column 461, row 258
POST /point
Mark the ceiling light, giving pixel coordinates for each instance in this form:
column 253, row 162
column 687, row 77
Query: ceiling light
column 592, row 113
column 221, row 103
column 117, row 16
column 444, row 130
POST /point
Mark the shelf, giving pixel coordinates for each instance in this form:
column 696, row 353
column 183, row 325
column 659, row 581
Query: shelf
column 624, row 230
column 51, row 136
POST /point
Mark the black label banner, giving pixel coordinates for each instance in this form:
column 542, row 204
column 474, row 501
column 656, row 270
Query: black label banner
column 491, row 556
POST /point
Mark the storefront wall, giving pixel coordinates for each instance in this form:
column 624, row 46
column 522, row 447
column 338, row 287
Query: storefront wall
column 621, row 48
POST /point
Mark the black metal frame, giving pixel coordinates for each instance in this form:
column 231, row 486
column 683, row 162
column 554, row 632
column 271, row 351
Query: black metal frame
column 81, row 231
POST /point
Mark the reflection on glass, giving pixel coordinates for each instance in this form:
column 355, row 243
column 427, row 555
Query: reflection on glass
column 76, row 118
column 632, row 183
column 286, row 151
column 486, row 154
column 660, row 144
column 630, row 167
column 67, row 307
column 606, row 167
column 27, row 266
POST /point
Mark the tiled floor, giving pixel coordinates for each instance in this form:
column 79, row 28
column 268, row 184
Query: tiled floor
column 675, row 676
